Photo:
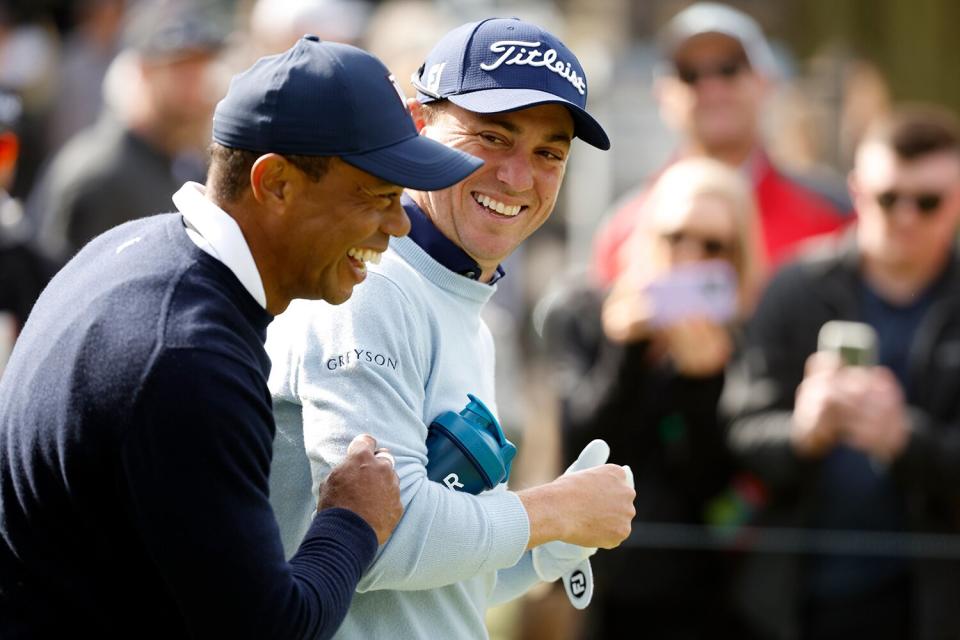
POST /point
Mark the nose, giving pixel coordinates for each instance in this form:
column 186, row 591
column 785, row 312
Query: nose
column 395, row 221
column 686, row 251
column 516, row 171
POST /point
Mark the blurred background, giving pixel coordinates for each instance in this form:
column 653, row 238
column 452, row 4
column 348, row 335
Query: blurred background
column 114, row 100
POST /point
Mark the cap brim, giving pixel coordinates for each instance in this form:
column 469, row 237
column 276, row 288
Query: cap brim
column 503, row 100
column 418, row 163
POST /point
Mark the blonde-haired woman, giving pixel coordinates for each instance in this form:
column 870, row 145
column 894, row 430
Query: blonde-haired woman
column 641, row 365
column 699, row 210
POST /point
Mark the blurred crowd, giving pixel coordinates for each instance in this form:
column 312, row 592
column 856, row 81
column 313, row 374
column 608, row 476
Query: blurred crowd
column 673, row 306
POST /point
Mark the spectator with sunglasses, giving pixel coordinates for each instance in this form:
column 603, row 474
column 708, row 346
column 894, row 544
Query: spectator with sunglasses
column 716, row 72
column 863, row 447
column 650, row 387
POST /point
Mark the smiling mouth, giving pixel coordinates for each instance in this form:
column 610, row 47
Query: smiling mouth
column 497, row 207
column 363, row 256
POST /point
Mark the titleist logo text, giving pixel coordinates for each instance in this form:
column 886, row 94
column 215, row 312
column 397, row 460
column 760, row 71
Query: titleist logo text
column 530, row 55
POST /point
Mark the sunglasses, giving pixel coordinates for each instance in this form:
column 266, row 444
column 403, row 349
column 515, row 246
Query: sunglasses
column 926, row 204
column 710, row 247
column 725, row 70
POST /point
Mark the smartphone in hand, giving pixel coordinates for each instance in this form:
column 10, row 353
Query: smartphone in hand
column 701, row 289
column 854, row 342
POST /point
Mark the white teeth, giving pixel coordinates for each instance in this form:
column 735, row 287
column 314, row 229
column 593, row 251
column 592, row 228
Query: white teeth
column 499, row 207
column 365, row 255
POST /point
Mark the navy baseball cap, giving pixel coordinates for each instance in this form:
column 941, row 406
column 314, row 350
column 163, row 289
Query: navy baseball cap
column 331, row 99
column 506, row 64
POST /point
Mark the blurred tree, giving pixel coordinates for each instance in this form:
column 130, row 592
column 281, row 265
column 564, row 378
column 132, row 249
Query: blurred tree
column 914, row 44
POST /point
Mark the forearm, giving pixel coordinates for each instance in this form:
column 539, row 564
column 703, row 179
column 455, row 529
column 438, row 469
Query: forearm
column 761, row 442
column 547, row 522
column 196, row 470
column 446, row 537
column 337, row 549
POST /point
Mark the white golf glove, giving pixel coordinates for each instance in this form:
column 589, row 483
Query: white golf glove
column 570, row 561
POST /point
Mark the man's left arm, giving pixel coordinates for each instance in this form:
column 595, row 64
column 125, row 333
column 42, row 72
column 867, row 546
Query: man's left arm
column 930, row 458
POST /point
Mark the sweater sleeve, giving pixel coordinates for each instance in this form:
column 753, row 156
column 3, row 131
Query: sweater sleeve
column 363, row 367
column 514, row 581
column 195, row 463
column 931, row 460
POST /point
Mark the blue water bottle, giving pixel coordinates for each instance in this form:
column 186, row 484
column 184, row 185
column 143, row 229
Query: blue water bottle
column 467, row 451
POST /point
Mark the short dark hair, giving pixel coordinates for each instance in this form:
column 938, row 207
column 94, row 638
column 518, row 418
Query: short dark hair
column 917, row 130
column 229, row 173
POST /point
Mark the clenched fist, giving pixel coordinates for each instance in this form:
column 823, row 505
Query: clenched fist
column 589, row 508
column 366, row 484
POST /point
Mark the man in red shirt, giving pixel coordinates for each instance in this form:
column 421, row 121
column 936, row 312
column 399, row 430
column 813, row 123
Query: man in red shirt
column 716, row 72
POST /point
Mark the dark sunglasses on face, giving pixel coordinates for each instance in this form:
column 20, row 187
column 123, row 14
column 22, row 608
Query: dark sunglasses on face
column 725, row 70
column 711, row 247
column 926, row 204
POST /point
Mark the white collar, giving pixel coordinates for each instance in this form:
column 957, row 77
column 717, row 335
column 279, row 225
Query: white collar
column 217, row 233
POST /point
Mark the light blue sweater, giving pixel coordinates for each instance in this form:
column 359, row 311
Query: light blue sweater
column 406, row 347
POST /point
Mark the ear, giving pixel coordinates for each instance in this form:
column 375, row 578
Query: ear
column 669, row 94
column 416, row 112
column 658, row 87
column 853, row 184
column 766, row 86
column 269, row 178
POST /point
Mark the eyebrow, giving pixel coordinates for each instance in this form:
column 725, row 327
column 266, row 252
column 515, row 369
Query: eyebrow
column 381, row 188
column 512, row 128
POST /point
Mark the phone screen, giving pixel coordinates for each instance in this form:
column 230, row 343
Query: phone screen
column 854, row 342
column 702, row 289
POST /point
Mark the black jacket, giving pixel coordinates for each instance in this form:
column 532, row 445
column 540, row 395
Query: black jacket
column 820, row 287
column 665, row 427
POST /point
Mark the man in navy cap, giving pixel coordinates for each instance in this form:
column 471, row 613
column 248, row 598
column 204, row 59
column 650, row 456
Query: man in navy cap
column 136, row 431
column 411, row 345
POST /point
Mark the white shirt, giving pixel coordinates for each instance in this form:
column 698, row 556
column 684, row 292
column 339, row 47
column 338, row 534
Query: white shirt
column 218, row 234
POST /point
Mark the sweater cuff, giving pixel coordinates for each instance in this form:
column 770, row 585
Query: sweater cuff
column 509, row 527
column 349, row 531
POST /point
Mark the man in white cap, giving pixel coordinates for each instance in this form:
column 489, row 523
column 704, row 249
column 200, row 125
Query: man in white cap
column 715, row 73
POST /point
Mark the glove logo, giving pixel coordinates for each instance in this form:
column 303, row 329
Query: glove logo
column 578, row 583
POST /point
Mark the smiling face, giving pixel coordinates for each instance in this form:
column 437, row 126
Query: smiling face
column 713, row 97
column 495, row 209
column 327, row 229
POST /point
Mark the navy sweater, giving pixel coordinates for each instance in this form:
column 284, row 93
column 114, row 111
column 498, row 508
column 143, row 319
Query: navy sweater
column 135, row 445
